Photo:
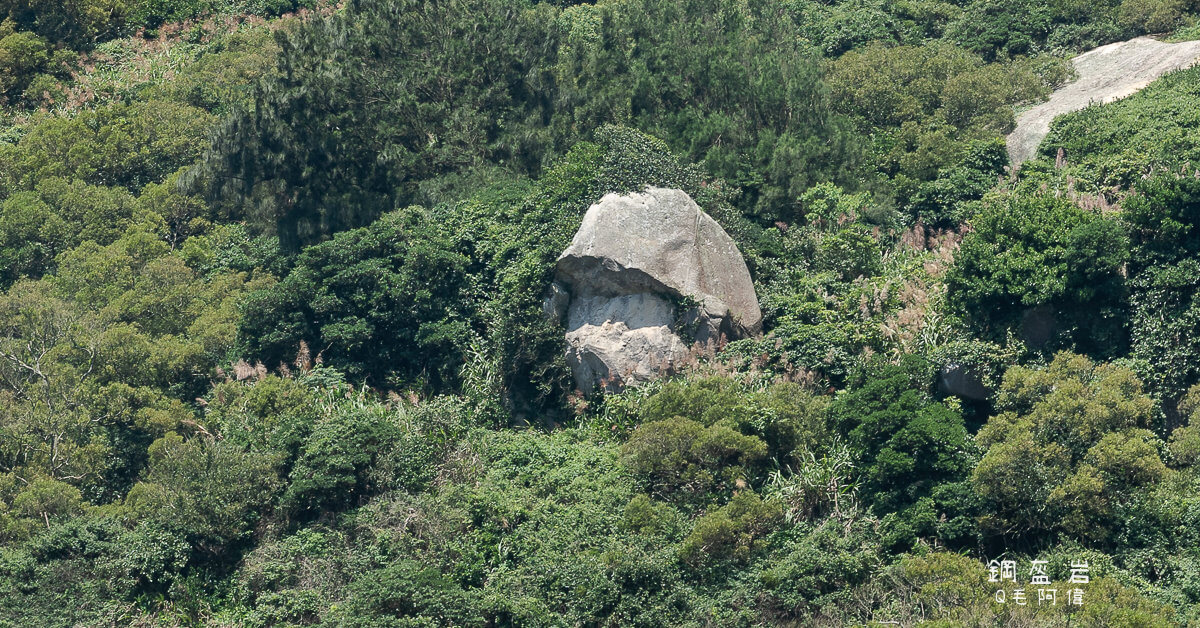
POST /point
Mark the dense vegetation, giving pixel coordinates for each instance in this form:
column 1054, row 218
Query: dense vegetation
column 272, row 348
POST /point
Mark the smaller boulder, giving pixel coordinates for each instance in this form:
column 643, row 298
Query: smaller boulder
column 962, row 381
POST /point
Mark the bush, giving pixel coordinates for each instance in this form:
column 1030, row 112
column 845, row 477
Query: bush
column 1066, row 450
column 733, row 532
column 213, row 493
column 683, row 460
column 388, row 302
column 119, row 145
column 904, row 443
column 76, row 23
column 334, row 468
column 1029, row 252
column 22, row 56
column 407, row 594
column 1153, row 16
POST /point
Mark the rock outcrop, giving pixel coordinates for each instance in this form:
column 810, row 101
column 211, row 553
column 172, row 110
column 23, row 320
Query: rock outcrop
column 646, row 275
column 1105, row 74
column 962, row 381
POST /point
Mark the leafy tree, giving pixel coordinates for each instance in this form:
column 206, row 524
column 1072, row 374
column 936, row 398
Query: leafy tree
column 407, row 593
column 1068, row 451
column 732, row 532
column 22, row 55
column 322, row 151
column 333, row 470
column 682, row 459
column 1153, row 16
column 118, row 145
column 722, row 83
column 905, row 444
column 210, row 491
column 1027, row 252
column 389, row 301
column 1163, row 216
column 76, row 23
column 954, row 194
column 30, row 237
column 787, row 417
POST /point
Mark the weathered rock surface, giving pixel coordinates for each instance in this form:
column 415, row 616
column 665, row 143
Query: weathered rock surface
column 1105, row 74
column 962, row 381
column 636, row 259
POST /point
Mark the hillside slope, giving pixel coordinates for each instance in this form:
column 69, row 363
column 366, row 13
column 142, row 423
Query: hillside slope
column 1106, row 74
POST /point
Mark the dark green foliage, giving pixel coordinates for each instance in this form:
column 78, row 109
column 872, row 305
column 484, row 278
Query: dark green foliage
column 396, row 291
column 75, row 23
column 706, row 439
column 817, row 566
column 322, row 151
column 721, row 83
column 682, row 459
column 29, row 235
column 22, row 56
column 1002, row 29
column 1163, row 217
column 333, row 468
column 1163, row 214
column 787, row 417
column 1166, row 316
column 152, row 13
column 838, row 27
column 1030, row 252
column 274, row 415
column 953, row 196
column 1023, row 27
column 934, row 113
column 817, row 321
column 906, row 444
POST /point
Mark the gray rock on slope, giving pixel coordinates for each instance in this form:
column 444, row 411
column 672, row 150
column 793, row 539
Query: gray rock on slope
column 635, row 258
column 1105, row 74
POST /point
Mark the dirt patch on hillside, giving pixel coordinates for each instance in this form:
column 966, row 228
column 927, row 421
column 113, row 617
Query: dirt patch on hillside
column 1105, row 74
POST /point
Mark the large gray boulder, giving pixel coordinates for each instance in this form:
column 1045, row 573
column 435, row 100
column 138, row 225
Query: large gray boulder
column 646, row 275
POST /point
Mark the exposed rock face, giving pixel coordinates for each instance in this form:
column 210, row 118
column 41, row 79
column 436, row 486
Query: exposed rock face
column 1038, row 325
column 635, row 260
column 1106, row 74
column 962, row 381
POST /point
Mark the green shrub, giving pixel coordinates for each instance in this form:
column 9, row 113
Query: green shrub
column 390, row 302
column 22, row 56
column 905, row 444
column 1066, row 449
column 733, row 532
column 681, row 459
column 334, row 468
column 1027, row 252
column 406, row 594
column 76, row 23
column 211, row 492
